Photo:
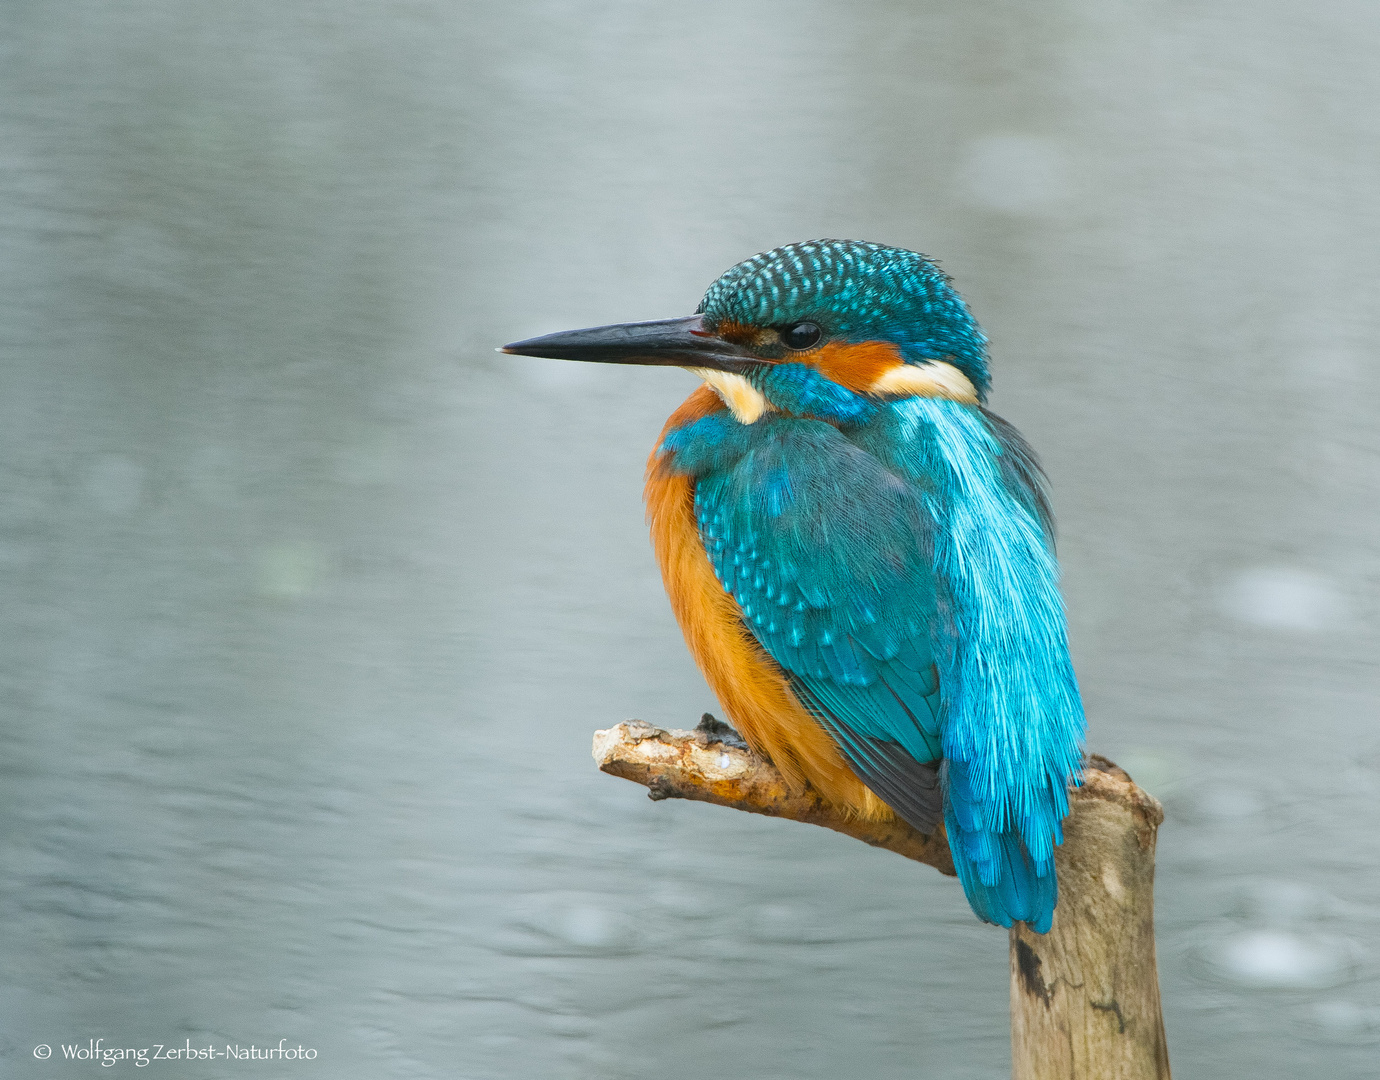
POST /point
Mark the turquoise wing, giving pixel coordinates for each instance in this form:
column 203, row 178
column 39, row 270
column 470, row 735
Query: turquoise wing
column 823, row 549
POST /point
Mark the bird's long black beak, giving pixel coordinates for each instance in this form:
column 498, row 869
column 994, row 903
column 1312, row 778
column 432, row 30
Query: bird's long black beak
column 671, row 342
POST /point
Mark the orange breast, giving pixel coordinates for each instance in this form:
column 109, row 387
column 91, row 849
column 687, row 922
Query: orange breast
column 750, row 686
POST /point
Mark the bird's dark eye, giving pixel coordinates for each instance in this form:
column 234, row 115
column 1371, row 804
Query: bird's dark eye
column 803, row 335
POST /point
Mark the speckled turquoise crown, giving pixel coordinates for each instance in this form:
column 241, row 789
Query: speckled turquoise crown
column 855, row 291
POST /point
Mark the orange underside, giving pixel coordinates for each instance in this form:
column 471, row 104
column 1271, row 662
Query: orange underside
column 750, row 686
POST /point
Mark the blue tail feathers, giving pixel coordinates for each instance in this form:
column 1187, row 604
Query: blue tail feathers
column 1002, row 881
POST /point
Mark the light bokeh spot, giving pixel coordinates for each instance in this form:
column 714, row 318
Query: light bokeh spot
column 1285, row 598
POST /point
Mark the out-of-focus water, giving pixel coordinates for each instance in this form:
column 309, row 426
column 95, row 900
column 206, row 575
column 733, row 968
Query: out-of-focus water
column 311, row 602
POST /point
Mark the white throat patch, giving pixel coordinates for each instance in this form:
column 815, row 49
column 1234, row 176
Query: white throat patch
column 744, row 401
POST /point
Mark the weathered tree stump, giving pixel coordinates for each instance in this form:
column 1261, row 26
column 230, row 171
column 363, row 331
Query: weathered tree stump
column 1085, row 998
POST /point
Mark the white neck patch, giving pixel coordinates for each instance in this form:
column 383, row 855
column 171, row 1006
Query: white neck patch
column 744, row 401
column 935, row 379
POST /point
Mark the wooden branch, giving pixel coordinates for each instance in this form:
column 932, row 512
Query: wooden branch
column 1085, row 999
column 711, row 764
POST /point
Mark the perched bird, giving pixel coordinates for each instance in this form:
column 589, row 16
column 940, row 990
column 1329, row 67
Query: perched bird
column 860, row 556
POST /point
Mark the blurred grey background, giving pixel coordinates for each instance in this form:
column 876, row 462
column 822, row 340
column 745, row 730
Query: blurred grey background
column 311, row 602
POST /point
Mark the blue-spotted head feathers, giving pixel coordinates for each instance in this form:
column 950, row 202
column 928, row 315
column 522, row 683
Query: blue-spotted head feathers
column 855, row 291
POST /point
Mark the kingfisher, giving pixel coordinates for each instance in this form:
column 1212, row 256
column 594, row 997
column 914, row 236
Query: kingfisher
column 861, row 556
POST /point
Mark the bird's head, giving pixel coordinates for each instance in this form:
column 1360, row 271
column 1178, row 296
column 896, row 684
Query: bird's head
column 874, row 320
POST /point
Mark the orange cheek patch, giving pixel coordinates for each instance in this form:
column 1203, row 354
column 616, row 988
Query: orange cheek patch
column 855, row 366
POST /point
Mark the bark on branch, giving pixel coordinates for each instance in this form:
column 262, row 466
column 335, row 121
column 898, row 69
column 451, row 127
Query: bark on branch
column 1085, row 999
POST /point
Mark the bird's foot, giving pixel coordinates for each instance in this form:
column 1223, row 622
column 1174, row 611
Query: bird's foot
column 712, row 730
